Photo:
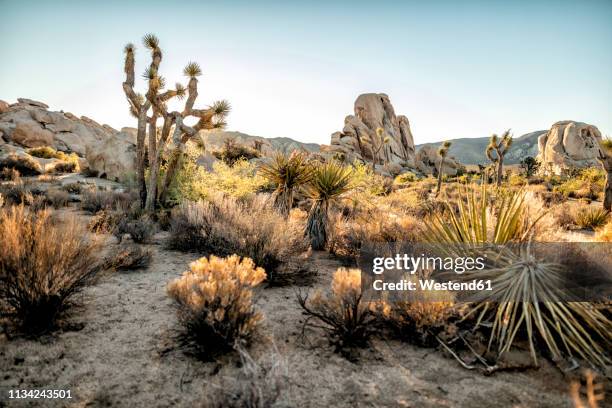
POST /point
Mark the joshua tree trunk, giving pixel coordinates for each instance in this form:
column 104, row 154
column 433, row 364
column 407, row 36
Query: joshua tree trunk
column 440, row 176
column 500, row 169
column 140, row 156
column 317, row 224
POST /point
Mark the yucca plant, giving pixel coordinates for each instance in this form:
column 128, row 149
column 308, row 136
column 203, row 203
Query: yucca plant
column 329, row 181
column 287, row 172
column 525, row 290
column 591, row 218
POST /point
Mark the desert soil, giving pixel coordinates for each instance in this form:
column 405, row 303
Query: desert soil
column 121, row 351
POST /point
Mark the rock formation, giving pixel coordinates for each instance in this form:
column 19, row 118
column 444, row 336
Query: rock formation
column 107, row 151
column 567, row 145
column 375, row 135
column 428, row 160
column 392, row 149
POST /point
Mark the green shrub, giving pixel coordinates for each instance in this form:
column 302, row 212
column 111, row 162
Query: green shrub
column 233, row 152
column 44, row 152
column 591, row 218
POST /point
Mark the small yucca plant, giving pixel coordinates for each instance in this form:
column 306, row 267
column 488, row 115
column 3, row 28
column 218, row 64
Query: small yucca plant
column 214, row 302
column 525, row 289
column 329, row 181
column 287, row 172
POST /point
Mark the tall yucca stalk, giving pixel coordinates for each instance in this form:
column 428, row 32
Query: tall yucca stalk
column 287, row 172
column 525, row 289
column 328, row 182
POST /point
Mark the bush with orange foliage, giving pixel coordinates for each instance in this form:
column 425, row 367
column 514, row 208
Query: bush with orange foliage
column 344, row 314
column 214, row 302
column 43, row 266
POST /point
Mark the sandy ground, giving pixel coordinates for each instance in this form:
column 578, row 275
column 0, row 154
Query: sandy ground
column 122, row 352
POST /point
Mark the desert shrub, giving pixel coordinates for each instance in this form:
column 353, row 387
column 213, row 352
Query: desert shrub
column 25, row 165
column 348, row 236
column 405, row 178
column 214, row 302
column 43, row 266
column 195, row 183
column 9, row 174
column 517, row 180
column 94, row 201
column 418, row 316
column 1, row 201
column 590, row 218
column 141, row 230
column 57, row 198
column 344, row 315
column 129, row 257
column 89, row 172
column 73, row 188
column 588, row 184
column 258, row 385
column 233, row 152
column 365, row 180
column 66, row 167
column 104, row 222
column 17, row 193
column 225, row 226
column 44, row 152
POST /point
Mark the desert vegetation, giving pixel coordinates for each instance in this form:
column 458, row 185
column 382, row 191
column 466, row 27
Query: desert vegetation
column 254, row 249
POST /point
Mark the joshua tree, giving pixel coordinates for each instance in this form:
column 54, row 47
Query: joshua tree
column 530, row 165
column 329, row 181
column 442, row 152
column 376, row 144
column 155, row 102
column 605, row 157
column 288, row 172
column 499, row 146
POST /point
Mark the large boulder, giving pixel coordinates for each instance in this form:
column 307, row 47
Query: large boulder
column 113, row 158
column 357, row 138
column 428, row 161
column 29, row 123
column 567, row 145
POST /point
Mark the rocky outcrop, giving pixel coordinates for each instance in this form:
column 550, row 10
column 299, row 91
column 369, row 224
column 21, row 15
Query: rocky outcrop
column 568, row 145
column 215, row 139
column 359, row 140
column 428, row 160
column 29, row 123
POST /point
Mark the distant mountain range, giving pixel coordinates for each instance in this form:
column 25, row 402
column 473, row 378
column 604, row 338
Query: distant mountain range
column 472, row 150
column 466, row 150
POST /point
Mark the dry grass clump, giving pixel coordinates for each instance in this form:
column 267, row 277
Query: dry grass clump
column 17, row 193
column 344, row 315
column 214, row 302
column 43, row 267
column 73, row 188
column 104, row 222
column 251, row 229
column 45, row 152
column 258, row 385
column 65, row 167
column 25, row 165
column 590, row 218
column 130, row 257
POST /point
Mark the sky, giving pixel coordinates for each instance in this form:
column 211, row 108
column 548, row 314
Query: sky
column 294, row 69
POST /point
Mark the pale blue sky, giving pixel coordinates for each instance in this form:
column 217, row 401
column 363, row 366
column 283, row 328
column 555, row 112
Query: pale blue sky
column 455, row 69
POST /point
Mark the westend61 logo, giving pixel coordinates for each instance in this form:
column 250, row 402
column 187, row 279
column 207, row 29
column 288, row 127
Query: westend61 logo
column 406, row 264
